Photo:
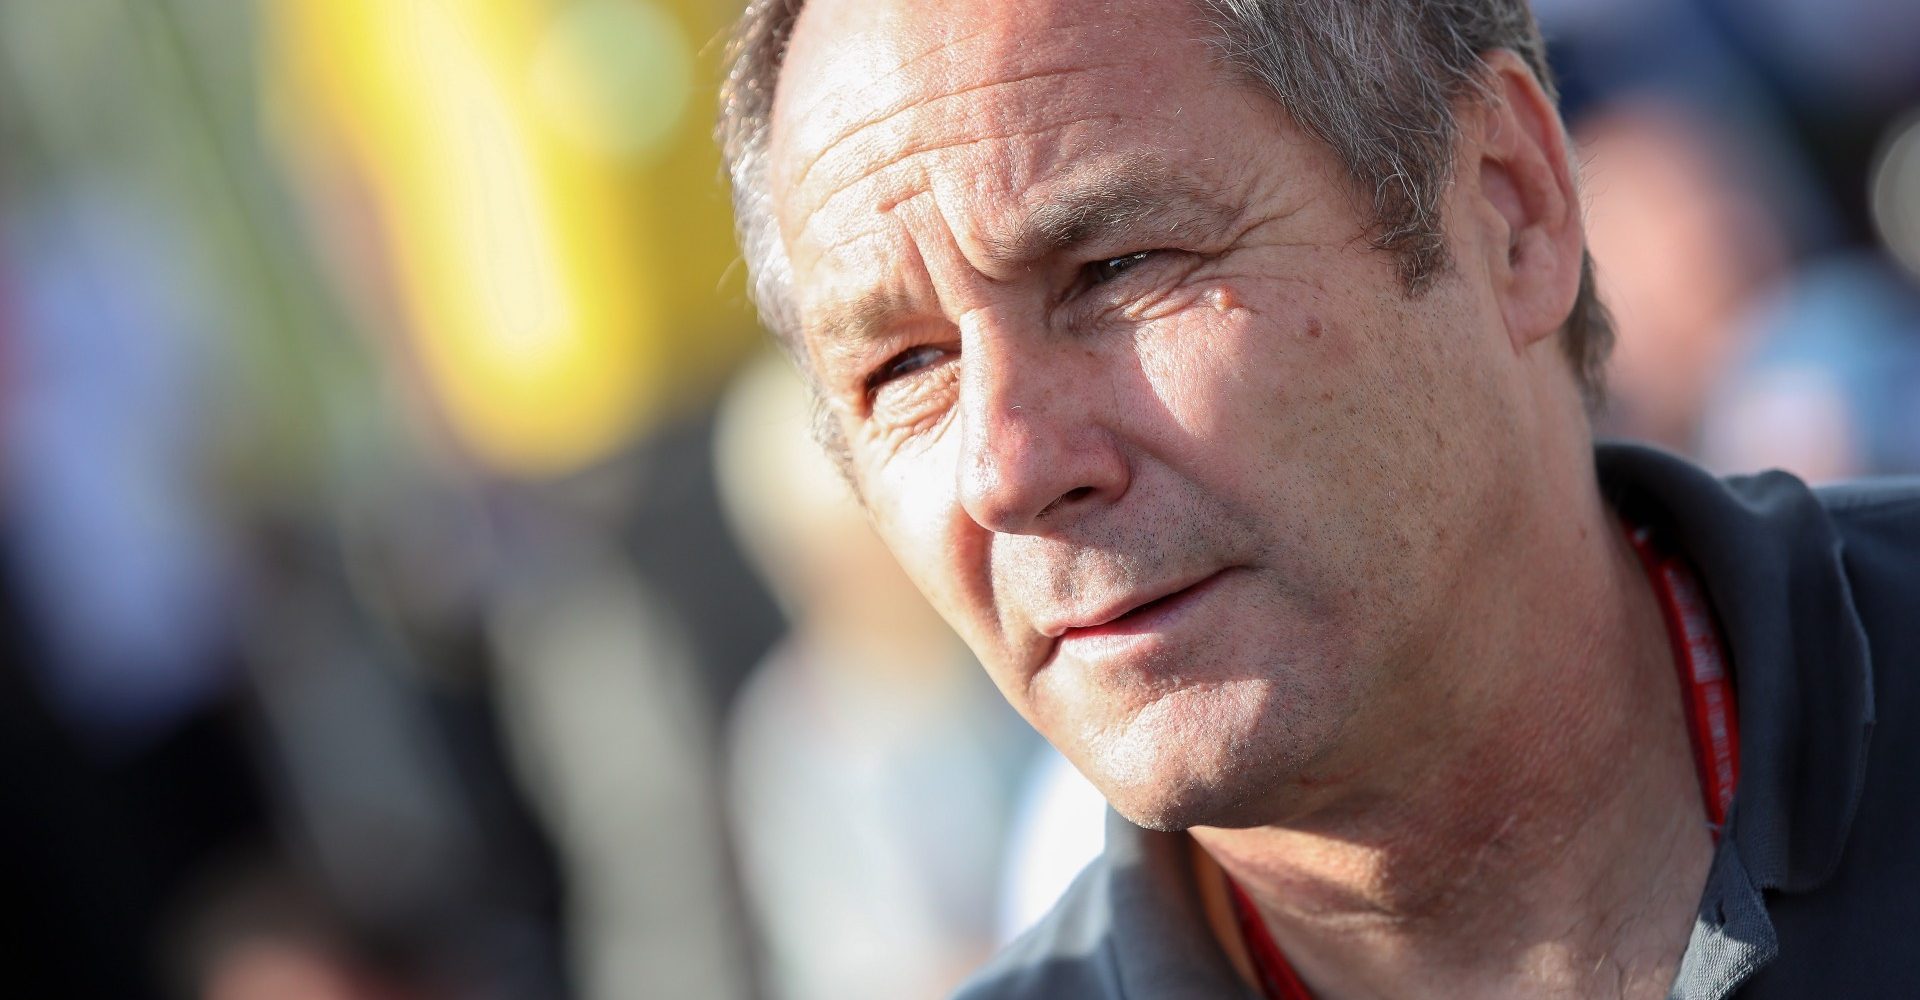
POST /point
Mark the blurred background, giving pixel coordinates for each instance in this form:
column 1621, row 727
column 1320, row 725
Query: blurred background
column 416, row 580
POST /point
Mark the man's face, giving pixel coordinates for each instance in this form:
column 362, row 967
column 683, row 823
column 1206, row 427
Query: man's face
column 1129, row 395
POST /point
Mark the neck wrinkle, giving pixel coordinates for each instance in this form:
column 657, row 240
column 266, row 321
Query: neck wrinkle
column 1534, row 820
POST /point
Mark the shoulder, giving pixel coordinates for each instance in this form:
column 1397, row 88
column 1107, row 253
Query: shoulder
column 1843, row 929
column 1131, row 926
column 1884, row 496
column 1878, row 525
column 1878, row 512
column 1068, row 955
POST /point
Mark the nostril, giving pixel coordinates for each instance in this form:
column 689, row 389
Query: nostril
column 1066, row 498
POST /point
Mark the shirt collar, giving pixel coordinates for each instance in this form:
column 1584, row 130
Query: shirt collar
column 1770, row 560
column 1168, row 948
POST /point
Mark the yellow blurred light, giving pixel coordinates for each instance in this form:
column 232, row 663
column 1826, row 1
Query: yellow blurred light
column 544, row 282
column 615, row 76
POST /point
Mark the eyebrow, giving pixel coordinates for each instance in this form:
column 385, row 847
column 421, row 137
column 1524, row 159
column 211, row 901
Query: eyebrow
column 1133, row 196
column 850, row 323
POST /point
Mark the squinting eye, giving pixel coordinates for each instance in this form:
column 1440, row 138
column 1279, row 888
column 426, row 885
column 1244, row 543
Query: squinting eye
column 905, row 363
column 1100, row 272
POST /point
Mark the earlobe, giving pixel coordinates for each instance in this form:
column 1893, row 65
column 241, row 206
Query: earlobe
column 1525, row 181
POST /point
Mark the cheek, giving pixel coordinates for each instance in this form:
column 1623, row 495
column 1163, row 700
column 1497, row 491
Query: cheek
column 1241, row 377
column 1309, row 413
column 916, row 509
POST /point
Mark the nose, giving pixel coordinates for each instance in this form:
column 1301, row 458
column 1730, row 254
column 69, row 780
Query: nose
column 1037, row 447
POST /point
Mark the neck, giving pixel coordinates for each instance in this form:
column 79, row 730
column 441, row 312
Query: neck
column 1535, row 830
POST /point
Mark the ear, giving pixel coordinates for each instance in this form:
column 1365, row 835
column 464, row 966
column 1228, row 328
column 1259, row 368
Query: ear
column 1520, row 174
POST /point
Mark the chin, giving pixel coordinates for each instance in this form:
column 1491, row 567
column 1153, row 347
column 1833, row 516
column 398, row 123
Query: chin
column 1173, row 809
column 1204, row 762
column 1173, row 790
column 1220, row 755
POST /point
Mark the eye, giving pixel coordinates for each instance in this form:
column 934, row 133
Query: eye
column 903, row 364
column 1102, row 271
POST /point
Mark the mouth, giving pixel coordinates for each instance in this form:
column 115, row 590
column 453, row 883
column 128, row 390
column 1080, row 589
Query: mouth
column 1147, row 617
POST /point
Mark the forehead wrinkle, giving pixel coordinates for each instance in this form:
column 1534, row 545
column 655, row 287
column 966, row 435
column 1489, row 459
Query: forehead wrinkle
column 872, row 166
column 937, row 46
column 911, row 104
column 1066, row 27
column 944, row 45
column 829, row 197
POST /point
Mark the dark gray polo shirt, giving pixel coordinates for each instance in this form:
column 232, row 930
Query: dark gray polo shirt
column 1814, row 890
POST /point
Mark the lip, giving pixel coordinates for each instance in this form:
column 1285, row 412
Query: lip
column 1132, row 616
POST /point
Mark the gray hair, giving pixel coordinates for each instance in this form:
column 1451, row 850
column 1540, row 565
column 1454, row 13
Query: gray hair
column 1376, row 80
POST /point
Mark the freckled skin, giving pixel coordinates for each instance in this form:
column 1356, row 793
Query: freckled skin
column 1258, row 398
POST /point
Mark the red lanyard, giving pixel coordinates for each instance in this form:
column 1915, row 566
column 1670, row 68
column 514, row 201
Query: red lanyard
column 1711, row 727
column 1712, row 723
column 1278, row 981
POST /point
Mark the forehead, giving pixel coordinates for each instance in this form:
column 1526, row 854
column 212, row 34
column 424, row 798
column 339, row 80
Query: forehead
column 988, row 104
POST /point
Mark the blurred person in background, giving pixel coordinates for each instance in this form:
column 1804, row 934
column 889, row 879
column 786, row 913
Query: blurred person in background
column 182, row 717
column 122, row 746
column 327, row 560
column 134, row 758
column 1761, row 324
column 872, row 768
column 504, row 189
column 1684, row 245
column 266, row 934
column 1829, row 385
